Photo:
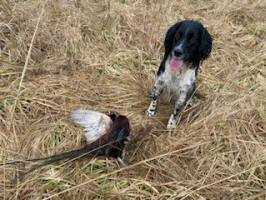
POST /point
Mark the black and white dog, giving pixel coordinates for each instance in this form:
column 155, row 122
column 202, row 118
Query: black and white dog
column 187, row 43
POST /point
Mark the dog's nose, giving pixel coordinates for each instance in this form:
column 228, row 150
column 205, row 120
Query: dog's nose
column 178, row 52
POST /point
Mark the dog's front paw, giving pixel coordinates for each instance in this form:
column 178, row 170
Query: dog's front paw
column 149, row 113
column 171, row 123
column 151, row 95
column 171, row 126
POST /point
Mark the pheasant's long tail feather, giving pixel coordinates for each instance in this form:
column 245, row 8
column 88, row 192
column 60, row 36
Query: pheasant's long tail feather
column 67, row 155
column 70, row 154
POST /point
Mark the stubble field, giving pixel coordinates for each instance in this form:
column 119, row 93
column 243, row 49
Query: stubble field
column 58, row 56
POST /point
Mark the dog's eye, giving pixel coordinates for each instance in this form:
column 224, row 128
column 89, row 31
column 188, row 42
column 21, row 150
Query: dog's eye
column 191, row 38
column 179, row 36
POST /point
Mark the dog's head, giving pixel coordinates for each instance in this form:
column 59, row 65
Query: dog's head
column 187, row 41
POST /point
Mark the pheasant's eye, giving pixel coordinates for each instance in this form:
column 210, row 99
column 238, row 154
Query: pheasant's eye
column 113, row 116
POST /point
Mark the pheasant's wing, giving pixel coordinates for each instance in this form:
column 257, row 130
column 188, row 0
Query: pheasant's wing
column 96, row 124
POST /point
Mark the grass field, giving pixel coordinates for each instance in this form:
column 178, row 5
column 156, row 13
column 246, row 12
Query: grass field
column 58, row 56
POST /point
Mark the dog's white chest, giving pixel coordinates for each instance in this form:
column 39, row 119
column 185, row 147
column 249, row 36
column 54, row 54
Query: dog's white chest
column 176, row 80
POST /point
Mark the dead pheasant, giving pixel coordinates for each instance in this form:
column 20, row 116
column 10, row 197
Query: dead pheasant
column 105, row 134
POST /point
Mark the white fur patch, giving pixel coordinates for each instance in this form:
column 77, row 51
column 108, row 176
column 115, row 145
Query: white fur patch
column 151, row 110
column 171, row 122
column 96, row 124
column 178, row 80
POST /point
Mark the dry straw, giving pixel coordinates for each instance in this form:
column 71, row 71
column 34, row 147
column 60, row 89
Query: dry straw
column 102, row 55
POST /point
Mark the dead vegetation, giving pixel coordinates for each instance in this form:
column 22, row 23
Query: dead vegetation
column 102, row 55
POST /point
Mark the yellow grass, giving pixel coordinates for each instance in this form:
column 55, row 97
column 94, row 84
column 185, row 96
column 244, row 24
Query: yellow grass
column 103, row 55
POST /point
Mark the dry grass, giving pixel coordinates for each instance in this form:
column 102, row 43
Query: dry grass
column 103, row 55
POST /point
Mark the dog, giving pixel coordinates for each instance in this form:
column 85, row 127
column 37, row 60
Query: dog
column 187, row 44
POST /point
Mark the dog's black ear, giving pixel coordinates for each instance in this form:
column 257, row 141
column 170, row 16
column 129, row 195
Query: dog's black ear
column 169, row 38
column 205, row 45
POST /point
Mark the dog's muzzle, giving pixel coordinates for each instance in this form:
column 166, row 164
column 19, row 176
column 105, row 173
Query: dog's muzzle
column 178, row 51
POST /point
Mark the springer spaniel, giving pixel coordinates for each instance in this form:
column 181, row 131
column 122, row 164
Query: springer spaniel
column 187, row 44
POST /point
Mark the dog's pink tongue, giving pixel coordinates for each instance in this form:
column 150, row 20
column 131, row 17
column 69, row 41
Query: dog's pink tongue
column 175, row 64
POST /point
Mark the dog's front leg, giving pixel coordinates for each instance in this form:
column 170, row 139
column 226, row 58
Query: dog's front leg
column 178, row 106
column 158, row 86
